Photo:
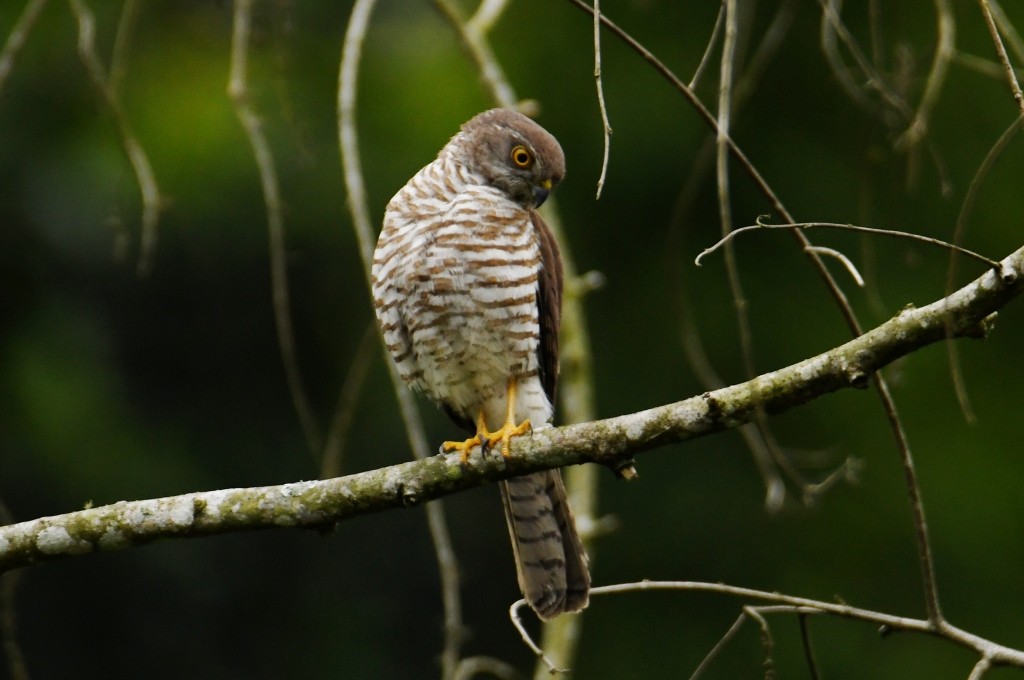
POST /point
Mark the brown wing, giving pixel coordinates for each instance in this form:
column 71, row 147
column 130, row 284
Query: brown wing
column 549, row 303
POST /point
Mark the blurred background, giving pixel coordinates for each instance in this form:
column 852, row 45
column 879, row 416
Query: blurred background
column 120, row 386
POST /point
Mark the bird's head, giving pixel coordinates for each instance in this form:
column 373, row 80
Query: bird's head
column 513, row 154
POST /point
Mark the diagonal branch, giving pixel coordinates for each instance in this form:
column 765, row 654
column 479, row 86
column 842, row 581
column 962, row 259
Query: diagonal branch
column 612, row 442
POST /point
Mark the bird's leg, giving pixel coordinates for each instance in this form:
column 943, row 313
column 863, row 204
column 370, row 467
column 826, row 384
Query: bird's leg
column 464, row 447
column 509, row 429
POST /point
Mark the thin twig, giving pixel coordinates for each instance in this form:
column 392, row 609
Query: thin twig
column 607, row 126
column 723, row 641
column 805, row 641
column 959, row 231
column 1007, row 29
column 705, row 58
column 17, row 37
column 767, row 642
column 980, row 668
column 348, row 140
column 996, row 653
column 744, row 330
column 991, row 652
column 475, row 665
column 122, row 45
column 722, row 182
column 992, row 264
column 486, row 16
column 985, row 67
column 946, row 43
column 843, row 259
column 476, row 46
column 148, row 189
column 833, row 23
column 238, row 91
column 1004, row 59
column 517, row 621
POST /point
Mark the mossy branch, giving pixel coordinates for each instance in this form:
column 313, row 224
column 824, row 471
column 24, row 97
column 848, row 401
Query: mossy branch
column 612, row 442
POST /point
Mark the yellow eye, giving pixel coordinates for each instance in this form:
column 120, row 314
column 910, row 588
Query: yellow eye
column 521, row 156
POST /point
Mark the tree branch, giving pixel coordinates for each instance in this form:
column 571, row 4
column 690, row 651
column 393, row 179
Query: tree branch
column 612, row 442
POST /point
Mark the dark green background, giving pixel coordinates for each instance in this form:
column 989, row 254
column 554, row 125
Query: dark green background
column 118, row 387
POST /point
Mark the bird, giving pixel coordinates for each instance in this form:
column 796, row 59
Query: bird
column 467, row 289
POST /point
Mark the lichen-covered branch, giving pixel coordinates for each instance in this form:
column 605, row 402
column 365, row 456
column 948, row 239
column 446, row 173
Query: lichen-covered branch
column 612, row 442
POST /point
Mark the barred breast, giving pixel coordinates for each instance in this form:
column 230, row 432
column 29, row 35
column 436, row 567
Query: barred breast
column 454, row 283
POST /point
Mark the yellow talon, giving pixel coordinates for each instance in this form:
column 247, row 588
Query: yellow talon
column 464, row 447
column 486, row 439
column 505, row 434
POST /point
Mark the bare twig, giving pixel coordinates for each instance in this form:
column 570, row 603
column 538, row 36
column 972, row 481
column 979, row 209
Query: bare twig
column 719, row 646
column 475, row 43
column 542, row 658
column 1007, row 29
column 985, row 67
column 995, row 653
column 805, row 641
column 993, row 264
column 980, row 668
column 486, row 16
column 607, row 126
column 1004, row 59
column 767, row 642
column 833, row 253
column 348, row 78
column 946, row 32
column 832, row 27
column 122, row 45
column 238, row 91
column 475, row 665
column 705, row 58
column 148, row 189
column 17, row 37
column 959, row 231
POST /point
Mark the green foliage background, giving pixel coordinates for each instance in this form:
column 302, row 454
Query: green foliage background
column 118, row 387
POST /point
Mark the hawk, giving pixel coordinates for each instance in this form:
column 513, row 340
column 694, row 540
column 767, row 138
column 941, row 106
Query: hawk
column 467, row 287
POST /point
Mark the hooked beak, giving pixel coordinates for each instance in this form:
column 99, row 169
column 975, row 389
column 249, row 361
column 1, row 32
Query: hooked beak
column 540, row 193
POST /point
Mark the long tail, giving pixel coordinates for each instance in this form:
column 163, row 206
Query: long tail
column 550, row 562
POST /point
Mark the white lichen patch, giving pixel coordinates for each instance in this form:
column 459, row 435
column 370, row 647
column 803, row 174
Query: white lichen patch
column 4, row 545
column 57, row 541
column 394, row 481
column 214, row 500
column 296, row 488
column 811, row 368
column 113, row 540
column 180, row 513
column 634, row 429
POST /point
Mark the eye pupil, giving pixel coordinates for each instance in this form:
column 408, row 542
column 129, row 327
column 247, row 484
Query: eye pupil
column 520, row 156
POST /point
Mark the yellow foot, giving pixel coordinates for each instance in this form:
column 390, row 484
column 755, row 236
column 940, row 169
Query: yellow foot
column 465, row 447
column 505, row 434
